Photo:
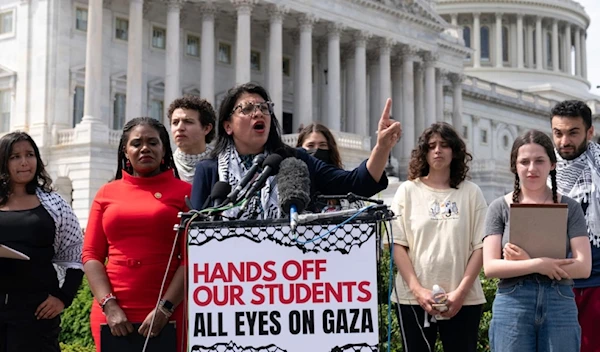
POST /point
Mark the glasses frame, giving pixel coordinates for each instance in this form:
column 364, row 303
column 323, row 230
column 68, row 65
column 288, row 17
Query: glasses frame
column 269, row 105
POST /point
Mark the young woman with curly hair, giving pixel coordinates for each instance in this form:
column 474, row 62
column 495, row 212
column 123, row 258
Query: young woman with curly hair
column 440, row 218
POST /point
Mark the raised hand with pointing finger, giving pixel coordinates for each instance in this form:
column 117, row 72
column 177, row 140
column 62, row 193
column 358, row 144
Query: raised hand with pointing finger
column 388, row 134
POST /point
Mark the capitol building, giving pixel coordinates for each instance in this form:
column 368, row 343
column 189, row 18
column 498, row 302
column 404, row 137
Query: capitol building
column 72, row 72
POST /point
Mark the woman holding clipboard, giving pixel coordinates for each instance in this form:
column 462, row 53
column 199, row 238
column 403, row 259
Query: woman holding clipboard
column 534, row 309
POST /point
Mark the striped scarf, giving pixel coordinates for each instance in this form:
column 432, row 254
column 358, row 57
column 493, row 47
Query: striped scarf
column 232, row 169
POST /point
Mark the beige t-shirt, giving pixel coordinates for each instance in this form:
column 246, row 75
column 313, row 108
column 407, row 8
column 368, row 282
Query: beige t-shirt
column 441, row 229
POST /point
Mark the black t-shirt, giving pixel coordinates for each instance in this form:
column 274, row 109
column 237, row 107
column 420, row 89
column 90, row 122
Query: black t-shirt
column 31, row 232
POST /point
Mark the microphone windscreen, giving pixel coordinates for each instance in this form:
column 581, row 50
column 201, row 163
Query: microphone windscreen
column 273, row 161
column 220, row 190
column 293, row 184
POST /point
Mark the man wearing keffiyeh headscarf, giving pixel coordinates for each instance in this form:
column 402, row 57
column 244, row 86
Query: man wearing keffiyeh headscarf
column 192, row 122
column 578, row 177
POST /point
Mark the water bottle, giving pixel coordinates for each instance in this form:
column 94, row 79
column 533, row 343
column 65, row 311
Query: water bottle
column 439, row 297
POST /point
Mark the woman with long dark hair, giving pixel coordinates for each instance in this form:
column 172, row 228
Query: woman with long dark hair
column 37, row 222
column 131, row 224
column 440, row 221
column 534, row 309
column 247, row 127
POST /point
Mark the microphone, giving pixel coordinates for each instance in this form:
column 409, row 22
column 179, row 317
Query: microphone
column 217, row 195
column 270, row 168
column 293, row 184
column 256, row 163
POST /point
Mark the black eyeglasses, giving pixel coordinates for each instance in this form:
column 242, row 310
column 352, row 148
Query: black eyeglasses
column 248, row 109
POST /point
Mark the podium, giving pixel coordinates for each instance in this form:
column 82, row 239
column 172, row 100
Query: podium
column 256, row 286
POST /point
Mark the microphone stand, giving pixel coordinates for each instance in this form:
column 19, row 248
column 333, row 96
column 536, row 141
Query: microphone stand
column 350, row 197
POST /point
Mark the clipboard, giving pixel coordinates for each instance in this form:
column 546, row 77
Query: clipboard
column 7, row 252
column 540, row 229
column 166, row 341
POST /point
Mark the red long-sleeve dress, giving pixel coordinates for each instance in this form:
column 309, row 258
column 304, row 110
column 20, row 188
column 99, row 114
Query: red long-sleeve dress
column 131, row 224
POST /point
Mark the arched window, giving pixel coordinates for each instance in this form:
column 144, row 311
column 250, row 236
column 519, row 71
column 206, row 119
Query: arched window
column 485, row 43
column 505, row 44
column 549, row 50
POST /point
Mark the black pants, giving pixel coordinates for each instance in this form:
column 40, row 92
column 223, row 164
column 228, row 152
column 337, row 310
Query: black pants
column 458, row 334
column 20, row 330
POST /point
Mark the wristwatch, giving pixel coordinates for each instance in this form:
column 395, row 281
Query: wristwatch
column 168, row 305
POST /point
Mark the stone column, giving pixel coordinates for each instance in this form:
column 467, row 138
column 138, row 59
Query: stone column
column 419, row 99
column 439, row 94
column 530, row 48
column 334, row 85
column 408, row 101
column 374, row 93
column 568, row 48
column 578, row 51
column 397, row 104
column 454, row 19
column 92, row 106
column 349, row 72
column 499, row 58
column 385, row 72
column 20, row 119
column 296, row 61
column 430, row 94
column 555, row 60
column 243, row 38
column 172, row 61
column 276, row 59
column 476, row 40
column 539, row 52
column 135, row 63
column 207, row 53
column 322, row 97
column 305, row 67
column 583, row 55
column 520, row 56
column 456, row 80
column 361, row 114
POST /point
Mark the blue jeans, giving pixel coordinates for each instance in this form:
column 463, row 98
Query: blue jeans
column 535, row 315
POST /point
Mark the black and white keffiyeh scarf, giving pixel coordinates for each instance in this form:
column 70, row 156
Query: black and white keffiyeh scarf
column 231, row 169
column 186, row 163
column 580, row 179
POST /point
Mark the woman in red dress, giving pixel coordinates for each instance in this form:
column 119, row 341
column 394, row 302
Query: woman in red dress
column 129, row 238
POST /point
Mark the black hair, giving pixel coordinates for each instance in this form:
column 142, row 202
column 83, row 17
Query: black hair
column 573, row 108
column 274, row 142
column 168, row 164
column 41, row 178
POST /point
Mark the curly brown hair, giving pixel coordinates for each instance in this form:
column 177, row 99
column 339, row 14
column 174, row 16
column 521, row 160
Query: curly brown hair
column 204, row 108
column 418, row 166
column 334, row 153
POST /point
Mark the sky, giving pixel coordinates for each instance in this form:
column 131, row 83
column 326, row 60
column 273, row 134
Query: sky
column 592, row 7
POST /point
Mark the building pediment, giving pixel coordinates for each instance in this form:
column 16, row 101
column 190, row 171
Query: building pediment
column 417, row 11
column 6, row 72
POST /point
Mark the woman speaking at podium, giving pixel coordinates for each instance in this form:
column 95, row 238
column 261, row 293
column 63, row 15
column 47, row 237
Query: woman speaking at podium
column 247, row 127
column 131, row 224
